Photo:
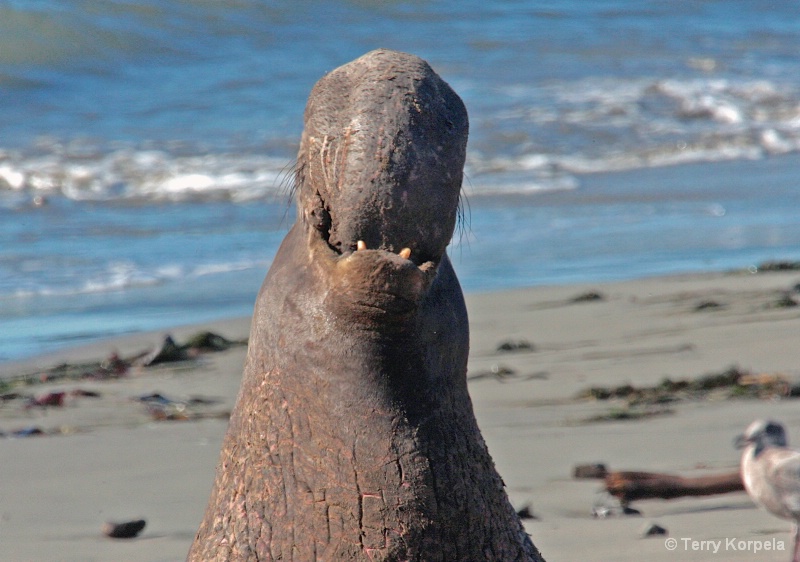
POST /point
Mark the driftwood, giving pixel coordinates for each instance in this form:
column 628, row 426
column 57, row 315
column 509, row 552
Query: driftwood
column 628, row 486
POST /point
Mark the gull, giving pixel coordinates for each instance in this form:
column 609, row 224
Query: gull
column 771, row 473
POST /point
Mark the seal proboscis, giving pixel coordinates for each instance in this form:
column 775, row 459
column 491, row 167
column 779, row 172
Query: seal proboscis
column 354, row 437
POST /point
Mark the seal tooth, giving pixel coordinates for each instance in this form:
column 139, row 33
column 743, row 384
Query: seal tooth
column 405, row 253
column 361, row 245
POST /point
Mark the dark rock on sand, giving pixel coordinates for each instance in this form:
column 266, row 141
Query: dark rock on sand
column 653, row 530
column 515, row 345
column 124, row 530
column 707, row 305
column 589, row 296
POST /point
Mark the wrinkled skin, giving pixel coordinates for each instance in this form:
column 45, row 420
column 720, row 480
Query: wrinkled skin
column 354, row 437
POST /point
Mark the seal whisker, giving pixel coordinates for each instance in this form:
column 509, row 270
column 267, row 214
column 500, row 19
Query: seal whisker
column 463, row 219
column 287, row 185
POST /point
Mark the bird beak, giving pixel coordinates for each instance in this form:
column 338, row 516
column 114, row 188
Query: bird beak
column 740, row 442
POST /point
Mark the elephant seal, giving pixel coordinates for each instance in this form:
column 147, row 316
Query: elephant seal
column 353, row 436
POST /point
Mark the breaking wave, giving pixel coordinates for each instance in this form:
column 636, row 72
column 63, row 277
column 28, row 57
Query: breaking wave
column 545, row 137
column 89, row 174
column 123, row 275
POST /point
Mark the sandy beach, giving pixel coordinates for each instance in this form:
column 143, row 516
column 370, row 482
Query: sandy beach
column 145, row 444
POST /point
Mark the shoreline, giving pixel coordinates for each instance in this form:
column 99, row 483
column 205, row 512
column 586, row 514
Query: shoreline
column 239, row 326
column 125, row 345
column 147, row 444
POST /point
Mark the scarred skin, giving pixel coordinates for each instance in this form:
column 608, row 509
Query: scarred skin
column 353, row 437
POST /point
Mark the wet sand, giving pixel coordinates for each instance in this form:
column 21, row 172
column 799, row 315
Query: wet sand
column 107, row 457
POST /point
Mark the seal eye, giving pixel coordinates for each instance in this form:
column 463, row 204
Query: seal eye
column 321, row 220
column 319, row 217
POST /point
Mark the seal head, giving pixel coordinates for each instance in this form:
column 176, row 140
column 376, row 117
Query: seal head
column 382, row 157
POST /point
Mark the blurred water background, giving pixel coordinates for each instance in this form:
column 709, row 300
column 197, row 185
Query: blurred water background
column 146, row 147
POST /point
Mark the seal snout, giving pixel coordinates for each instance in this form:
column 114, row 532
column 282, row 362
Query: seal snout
column 378, row 282
column 320, row 220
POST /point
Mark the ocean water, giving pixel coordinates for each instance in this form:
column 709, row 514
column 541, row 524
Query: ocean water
column 146, row 147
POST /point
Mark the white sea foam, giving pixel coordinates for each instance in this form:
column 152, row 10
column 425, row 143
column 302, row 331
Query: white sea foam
column 597, row 125
column 775, row 142
column 153, row 175
column 12, row 177
column 217, row 268
column 123, row 275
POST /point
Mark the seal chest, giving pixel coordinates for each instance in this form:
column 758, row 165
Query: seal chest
column 354, row 437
